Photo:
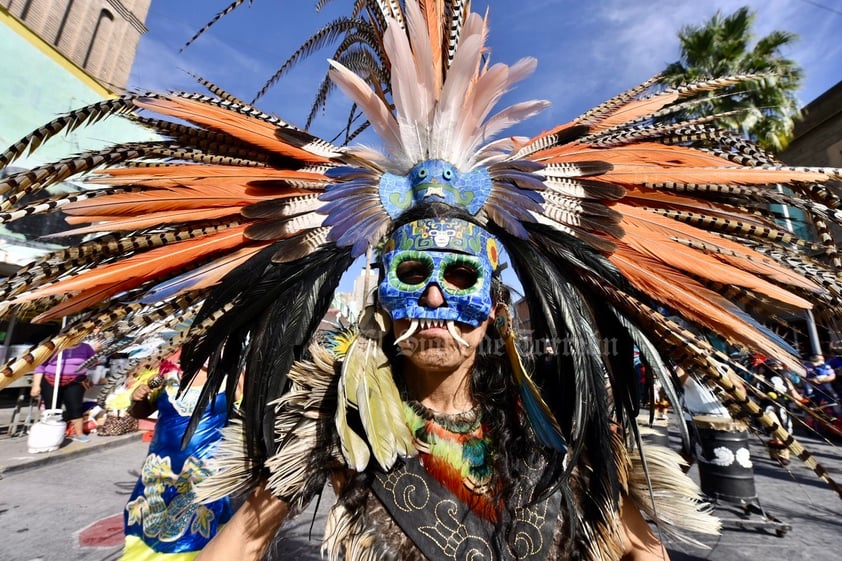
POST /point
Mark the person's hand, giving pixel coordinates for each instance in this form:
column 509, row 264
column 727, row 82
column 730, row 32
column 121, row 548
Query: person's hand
column 141, row 392
column 35, row 391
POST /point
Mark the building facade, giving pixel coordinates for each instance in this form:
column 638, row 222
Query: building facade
column 43, row 47
column 98, row 36
column 817, row 139
column 818, row 136
column 57, row 56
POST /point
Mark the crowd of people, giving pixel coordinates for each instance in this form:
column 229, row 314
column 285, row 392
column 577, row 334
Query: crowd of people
column 807, row 402
column 812, row 399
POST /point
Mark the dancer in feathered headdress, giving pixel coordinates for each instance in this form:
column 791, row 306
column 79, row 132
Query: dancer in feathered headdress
column 441, row 438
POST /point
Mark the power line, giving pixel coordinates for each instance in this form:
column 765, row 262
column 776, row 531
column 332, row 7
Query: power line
column 822, row 6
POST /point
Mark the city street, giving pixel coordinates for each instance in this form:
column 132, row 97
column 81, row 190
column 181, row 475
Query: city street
column 42, row 510
column 442, row 283
column 70, row 510
column 797, row 504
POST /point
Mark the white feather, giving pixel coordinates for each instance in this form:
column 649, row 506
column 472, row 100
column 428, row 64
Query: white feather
column 404, row 77
column 494, row 83
column 476, row 106
column 475, row 24
column 562, row 171
column 422, row 50
column 513, row 115
column 566, row 187
column 498, row 151
column 406, row 95
column 372, row 158
column 506, row 118
column 429, row 124
column 375, row 110
column 449, row 110
column 542, row 218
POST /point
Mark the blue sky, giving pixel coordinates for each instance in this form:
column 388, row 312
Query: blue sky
column 588, row 51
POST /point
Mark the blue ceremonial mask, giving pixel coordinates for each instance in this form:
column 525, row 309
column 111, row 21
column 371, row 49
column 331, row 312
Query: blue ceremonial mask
column 458, row 256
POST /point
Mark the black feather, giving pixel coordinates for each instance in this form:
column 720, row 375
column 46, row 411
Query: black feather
column 278, row 307
column 575, row 389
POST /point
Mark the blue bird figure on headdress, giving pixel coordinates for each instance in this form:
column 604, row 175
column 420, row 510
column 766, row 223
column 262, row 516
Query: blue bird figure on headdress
column 435, row 178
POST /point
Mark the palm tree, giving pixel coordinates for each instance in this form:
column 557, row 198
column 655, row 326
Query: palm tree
column 767, row 108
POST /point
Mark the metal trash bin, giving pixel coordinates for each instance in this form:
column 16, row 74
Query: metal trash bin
column 724, row 459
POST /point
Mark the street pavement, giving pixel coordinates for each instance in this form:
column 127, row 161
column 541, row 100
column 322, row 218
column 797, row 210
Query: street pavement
column 794, row 516
column 14, row 450
column 66, row 506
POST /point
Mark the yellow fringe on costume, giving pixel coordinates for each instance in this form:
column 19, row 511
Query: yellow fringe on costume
column 136, row 550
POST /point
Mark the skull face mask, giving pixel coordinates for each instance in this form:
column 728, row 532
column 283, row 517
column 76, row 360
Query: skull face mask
column 457, row 256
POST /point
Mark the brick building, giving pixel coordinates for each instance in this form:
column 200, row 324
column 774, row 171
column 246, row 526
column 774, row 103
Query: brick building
column 98, row 36
column 818, row 137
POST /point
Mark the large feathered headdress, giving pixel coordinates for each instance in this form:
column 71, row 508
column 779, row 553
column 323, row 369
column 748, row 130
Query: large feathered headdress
column 244, row 224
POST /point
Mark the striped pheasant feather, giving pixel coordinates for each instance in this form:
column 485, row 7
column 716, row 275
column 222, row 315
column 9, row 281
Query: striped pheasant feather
column 625, row 208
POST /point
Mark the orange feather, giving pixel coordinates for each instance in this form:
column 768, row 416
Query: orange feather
column 446, row 474
column 85, row 299
column 668, row 200
column 109, row 223
column 662, row 155
column 134, row 271
column 433, row 11
column 210, row 274
column 689, row 298
column 648, row 174
column 651, row 163
column 654, row 236
column 248, row 129
column 634, row 110
column 176, row 198
column 182, row 174
column 656, row 154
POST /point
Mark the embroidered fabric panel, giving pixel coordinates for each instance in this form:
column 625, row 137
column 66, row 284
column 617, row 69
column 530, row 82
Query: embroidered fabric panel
column 446, row 528
column 162, row 510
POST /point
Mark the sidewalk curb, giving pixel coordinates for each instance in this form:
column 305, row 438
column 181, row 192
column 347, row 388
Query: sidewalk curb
column 63, row 455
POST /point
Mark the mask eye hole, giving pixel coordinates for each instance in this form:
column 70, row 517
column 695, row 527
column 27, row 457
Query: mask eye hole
column 461, row 275
column 413, row 272
column 447, row 174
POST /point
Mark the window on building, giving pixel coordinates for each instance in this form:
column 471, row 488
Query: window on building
column 63, row 22
column 25, row 11
column 102, row 24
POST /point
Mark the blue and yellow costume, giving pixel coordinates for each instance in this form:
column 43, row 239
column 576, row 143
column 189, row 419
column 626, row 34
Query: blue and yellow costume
column 162, row 519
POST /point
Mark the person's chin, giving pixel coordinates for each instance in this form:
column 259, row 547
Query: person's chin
column 435, row 358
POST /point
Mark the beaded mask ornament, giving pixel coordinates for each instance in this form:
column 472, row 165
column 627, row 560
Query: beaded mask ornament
column 457, row 256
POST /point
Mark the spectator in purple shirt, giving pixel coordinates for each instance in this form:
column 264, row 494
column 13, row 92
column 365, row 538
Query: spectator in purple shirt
column 73, row 381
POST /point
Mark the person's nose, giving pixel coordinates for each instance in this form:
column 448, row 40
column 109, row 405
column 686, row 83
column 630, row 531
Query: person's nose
column 432, row 297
